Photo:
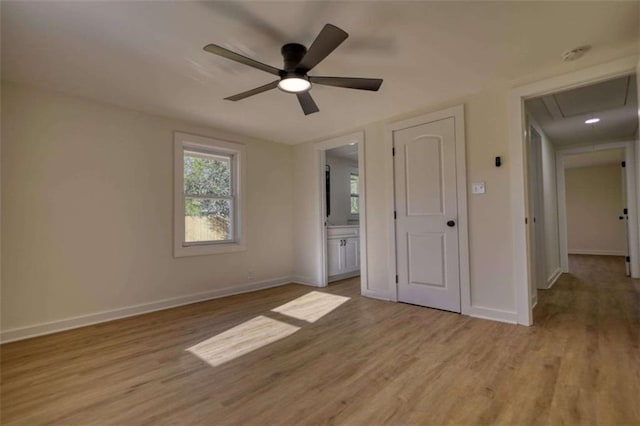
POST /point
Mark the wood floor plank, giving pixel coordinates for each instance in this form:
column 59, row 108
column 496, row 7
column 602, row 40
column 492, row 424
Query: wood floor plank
column 335, row 357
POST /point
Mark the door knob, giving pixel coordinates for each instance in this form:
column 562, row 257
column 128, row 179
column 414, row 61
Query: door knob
column 451, row 223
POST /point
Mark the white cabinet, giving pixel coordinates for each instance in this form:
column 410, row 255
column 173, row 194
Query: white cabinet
column 335, row 256
column 343, row 252
column 351, row 250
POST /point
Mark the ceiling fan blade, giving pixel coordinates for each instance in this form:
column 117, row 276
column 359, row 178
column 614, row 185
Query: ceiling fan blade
column 255, row 91
column 226, row 53
column 307, row 103
column 329, row 38
column 349, row 82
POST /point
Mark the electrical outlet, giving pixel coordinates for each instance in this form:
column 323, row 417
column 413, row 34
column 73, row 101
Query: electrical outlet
column 250, row 276
column 477, row 188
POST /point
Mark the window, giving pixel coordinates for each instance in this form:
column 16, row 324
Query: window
column 207, row 196
column 355, row 197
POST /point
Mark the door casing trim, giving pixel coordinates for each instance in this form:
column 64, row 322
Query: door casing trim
column 457, row 112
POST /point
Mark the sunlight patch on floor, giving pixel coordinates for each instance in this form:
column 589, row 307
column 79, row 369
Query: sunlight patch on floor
column 312, row 306
column 242, row 339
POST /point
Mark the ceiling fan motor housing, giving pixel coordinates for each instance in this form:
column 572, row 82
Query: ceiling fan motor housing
column 292, row 54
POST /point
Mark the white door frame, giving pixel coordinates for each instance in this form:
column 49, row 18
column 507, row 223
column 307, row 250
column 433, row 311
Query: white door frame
column 457, row 113
column 321, row 148
column 631, row 195
column 584, row 77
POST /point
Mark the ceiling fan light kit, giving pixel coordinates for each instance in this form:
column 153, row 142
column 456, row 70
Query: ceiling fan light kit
column 298, row 61
column 294, row 84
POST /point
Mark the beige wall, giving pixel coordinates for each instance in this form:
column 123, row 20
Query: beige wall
column 638, row 138
column 594, row 203
column 87, row 211
column 306, row 221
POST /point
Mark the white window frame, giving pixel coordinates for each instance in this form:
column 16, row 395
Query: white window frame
column 185, row 141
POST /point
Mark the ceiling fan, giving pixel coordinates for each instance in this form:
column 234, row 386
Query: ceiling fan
column 298, row 61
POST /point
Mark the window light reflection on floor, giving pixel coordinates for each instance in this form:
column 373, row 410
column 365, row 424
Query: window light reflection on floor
column 242, row 339
column 312, row 306
column 262, row 330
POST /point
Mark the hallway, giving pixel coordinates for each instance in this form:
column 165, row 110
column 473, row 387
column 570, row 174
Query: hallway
column 591, row 320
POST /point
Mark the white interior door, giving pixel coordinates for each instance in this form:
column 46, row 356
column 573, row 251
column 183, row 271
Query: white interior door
column 536, row 216
column 426, row 215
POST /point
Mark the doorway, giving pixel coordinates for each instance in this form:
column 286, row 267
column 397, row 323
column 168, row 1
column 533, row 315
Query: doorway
column 593, row 198
column 342, row 192
column 547, row 92
column 342, row 212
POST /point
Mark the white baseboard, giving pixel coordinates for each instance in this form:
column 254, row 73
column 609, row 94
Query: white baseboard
column 339, row 277
column 553, row 278
column 297, row 279
column 598, row 252
column 22, row 333
column 492, row 314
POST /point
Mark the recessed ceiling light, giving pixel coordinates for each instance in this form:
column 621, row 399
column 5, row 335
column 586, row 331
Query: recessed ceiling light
column 592, row 121
column 352, row 143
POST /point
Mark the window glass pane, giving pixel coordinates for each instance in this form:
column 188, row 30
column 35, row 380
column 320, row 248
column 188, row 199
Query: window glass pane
column 354, row 183
column 207, row 174
column 207, row 220
column 355, row 205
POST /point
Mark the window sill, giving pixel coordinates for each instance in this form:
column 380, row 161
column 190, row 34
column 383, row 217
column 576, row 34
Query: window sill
column 204, row 250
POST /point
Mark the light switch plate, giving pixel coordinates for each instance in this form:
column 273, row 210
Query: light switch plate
column 477, row 188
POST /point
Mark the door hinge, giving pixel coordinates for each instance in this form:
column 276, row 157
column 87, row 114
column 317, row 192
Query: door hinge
column 526, row 221
column 396, row 279
column 625, row 211
column 623, row 164
column 628, row 259
column 395, row 215
column 393, row 151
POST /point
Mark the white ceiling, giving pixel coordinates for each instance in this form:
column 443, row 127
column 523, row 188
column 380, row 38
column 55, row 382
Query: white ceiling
column 562, row 115
column 148, row 55
column 596, row 158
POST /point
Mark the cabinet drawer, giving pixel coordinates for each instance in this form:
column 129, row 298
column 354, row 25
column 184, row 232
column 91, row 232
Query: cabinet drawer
column 347, row 231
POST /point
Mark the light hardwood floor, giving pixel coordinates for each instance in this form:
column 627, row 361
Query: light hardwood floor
column 333, row 357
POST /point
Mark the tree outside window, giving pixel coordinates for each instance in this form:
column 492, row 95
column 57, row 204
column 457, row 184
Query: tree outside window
column 208, row 197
